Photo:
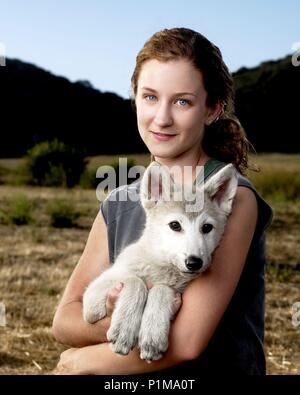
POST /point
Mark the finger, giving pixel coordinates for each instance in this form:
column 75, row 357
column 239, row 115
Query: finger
column 149, row 284
column 112, row 298
column 177, row 303
column 61, row 370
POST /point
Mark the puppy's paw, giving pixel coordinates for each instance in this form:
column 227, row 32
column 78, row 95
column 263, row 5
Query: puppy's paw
column 120, row 347
column 150, row 353
column 152, row 348
column 92, row 314
column 122, row 338
column 94, row 308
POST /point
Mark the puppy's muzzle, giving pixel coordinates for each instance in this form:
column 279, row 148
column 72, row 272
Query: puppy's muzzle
column 193, row 263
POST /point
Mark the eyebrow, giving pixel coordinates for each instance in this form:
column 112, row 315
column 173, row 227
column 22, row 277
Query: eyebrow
column 176, row 94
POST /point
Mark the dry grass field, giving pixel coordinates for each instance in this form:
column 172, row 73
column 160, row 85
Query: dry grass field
column 36, row 260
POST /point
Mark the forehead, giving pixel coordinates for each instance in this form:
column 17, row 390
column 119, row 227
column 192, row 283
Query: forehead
column 171, row 208
column 176, row 75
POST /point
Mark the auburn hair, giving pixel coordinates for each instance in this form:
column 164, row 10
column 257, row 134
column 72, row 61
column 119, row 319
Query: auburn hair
column 225, row 139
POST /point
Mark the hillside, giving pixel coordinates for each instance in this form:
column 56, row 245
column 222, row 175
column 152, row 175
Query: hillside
column 267, row 104
column 37, row 105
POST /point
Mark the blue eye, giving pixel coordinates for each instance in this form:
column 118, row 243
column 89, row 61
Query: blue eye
column 183, row 102
column 150, row 97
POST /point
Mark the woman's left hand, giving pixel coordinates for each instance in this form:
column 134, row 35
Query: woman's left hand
column 69, row 363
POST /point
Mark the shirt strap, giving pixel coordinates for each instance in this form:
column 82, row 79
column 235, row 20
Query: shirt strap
column 211, row 167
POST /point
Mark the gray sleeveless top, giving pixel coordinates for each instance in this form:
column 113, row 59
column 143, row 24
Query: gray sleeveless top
column 237, row 344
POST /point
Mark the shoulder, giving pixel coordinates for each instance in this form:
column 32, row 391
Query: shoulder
column 130, row 191
column 244, row 215
column 246, row 198
column 120, row 200
column 249, row 197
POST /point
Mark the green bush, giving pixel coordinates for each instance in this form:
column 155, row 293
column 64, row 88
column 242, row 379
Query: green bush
column 63, row 214
column 88, row 179
column 20, row 210
column 53, row 163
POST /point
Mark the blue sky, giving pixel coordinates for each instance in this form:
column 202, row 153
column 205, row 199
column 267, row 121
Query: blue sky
column 97, row 40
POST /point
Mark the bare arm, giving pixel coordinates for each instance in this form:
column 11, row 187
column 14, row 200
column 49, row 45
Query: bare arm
column 68, row 324
column 204, row 303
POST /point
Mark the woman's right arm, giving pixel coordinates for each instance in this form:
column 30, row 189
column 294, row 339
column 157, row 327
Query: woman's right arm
column 69, row 326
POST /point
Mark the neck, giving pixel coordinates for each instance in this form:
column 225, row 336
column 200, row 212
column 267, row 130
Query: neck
column 183, row 162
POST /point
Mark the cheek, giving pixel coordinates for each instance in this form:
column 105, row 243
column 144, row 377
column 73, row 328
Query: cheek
column 193, row 122
column 211, row 242
column 144, row 114
column 173, row 242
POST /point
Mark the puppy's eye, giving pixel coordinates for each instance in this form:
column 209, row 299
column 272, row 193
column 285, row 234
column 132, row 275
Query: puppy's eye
column 175, row 225
column 206, row 228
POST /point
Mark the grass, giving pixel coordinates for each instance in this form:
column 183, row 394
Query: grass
column 20, row 210
column 37, row 259
column 63, row 214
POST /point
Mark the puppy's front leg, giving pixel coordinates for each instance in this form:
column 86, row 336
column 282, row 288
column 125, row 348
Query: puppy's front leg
column 94, row 298
column 127, row 315
column 155, row 326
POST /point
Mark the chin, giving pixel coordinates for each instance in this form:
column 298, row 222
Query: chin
column 162, row 149
column 164, row 153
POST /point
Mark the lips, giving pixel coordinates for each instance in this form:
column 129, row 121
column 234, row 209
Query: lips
column 162, row 136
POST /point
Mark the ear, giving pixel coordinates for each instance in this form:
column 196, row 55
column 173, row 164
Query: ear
column 214, row 113
column 221, row 188
column 156, row 185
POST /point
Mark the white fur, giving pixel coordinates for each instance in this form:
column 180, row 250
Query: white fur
column 143, row 316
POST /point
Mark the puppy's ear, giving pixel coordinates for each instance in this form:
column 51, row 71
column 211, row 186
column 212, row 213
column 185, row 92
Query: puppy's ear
column 156, row 185
column 221, row 188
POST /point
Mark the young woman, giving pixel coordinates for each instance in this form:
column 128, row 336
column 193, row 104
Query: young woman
column 183, row 94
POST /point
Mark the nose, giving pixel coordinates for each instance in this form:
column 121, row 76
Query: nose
column 193, row 263
column 163, row 116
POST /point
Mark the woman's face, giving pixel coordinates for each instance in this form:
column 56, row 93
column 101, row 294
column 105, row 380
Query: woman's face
column 171, row 109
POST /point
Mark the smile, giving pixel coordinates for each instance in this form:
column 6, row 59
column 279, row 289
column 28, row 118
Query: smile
column 162, row 136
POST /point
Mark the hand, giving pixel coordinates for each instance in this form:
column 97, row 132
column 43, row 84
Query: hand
column 112, row 298
column 114, row 293
column 69, row 363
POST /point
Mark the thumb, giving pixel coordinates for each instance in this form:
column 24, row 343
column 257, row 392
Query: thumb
column 112, row 298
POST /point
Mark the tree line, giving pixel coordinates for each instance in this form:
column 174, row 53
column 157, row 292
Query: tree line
column 37, row 106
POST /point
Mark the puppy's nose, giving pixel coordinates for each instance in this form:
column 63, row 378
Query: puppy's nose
column 193, row 263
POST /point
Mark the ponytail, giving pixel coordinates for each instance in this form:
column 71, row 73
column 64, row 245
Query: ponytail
column 226, row 141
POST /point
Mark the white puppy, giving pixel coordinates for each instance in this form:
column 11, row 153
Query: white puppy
column 176, row 246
